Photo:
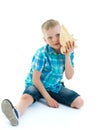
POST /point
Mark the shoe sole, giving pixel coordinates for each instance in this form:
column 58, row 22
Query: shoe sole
column 8, row 110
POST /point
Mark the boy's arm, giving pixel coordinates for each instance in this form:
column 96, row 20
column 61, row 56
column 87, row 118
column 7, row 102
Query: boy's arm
column 69, row 70
column 38, row 84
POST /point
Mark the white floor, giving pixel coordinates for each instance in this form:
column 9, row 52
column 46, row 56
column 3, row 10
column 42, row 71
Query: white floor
column 20, row 36
column 40, row 116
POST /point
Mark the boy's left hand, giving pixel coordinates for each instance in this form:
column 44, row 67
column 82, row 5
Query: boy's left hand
column 70, row 46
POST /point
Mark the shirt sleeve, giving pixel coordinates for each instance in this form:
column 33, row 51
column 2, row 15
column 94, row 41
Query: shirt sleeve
column 72, row 58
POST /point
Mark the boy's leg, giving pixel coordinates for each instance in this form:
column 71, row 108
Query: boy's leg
column 25, row 101
column 30, row 95
column 68, row 97
column 12, row 113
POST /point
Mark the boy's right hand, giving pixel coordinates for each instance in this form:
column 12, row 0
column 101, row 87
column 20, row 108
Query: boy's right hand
column 52, row 102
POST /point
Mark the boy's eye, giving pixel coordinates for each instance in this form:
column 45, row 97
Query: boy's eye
column 49, row 38
column 57, row 35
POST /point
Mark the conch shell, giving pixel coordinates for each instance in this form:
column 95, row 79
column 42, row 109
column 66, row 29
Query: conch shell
column 65, row 36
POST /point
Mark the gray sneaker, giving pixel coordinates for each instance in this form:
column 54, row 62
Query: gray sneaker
column 10, row 112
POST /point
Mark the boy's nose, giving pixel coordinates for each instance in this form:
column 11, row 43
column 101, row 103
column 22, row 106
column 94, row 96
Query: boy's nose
column 55, row 39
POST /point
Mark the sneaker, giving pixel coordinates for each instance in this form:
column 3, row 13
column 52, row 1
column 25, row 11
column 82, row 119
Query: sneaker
column 10, row 112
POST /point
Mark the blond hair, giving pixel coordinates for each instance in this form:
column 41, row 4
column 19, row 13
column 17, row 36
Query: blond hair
column 49, row 24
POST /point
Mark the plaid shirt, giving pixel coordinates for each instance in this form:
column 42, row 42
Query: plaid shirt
column 51, row 65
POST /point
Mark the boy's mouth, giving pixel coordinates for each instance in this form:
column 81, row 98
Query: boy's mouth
column 57, row 44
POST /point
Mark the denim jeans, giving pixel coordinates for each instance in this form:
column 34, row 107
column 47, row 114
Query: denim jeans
column 65, row 96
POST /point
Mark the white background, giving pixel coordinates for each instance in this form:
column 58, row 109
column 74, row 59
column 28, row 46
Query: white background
column 20, row 36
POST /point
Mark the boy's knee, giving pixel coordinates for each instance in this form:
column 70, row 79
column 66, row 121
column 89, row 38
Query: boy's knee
column 26, row 97
column 77, row 103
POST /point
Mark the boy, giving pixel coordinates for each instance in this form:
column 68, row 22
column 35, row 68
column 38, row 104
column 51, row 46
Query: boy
column 45, row 77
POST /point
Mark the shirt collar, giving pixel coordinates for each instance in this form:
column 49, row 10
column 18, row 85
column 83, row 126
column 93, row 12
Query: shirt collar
column 51, row 50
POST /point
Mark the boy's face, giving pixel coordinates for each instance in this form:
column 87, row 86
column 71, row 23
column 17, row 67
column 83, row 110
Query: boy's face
column 51, row 37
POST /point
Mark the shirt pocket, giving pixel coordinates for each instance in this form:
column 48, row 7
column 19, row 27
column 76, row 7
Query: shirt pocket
column 58, row 68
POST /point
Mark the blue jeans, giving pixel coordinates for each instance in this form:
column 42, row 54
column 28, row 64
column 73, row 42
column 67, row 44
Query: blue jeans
column 65, row 96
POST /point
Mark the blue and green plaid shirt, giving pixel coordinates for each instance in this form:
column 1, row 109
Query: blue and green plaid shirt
column 51, row 65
